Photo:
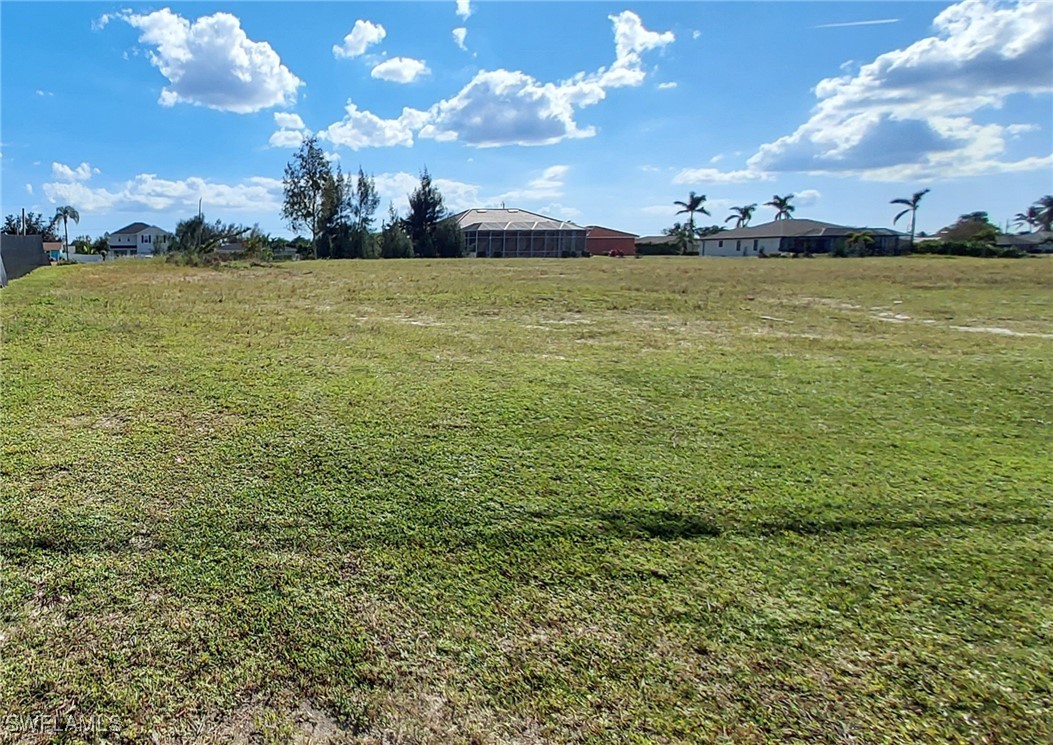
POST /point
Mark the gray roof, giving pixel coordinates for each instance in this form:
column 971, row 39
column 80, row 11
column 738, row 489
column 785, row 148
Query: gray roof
column 135, row 227
column 1024, row 240
column 510, row 219
column 796, row 228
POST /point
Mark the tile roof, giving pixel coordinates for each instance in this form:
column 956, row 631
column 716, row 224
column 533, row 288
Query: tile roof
column 510, row 219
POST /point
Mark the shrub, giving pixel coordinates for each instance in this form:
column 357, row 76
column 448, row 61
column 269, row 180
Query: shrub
column 969, row 248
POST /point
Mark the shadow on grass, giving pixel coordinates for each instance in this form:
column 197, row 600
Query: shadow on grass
column 532, row 527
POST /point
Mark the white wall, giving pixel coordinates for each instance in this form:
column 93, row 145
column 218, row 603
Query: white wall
column 738, row 247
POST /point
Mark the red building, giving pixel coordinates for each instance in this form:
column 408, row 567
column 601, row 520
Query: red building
column 601, row 241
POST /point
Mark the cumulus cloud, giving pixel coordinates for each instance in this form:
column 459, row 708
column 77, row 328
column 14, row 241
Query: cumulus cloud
column 464, row 9
column 459, row 35
column 212, row 62
column 150, row 193
column 669, row 85
column 360, row 129
column 83, row 172
column 909, row 113
column 291, row 130
column 502, row 108
column 505, row 107
column 363, row 35
column 288, row 120
column 400, row 70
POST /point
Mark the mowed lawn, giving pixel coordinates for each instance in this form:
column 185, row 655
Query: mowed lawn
column 668, row 500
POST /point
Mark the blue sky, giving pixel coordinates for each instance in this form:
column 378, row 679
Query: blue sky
column 603, row 113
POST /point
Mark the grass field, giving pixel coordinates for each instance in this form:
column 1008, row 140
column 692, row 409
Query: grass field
column 513, row 501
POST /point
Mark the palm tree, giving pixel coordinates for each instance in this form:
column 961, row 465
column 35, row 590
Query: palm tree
column 695, row 203
column 1045, row 212
column 1029, row 218
column 782, row 206
column 741, row 215
column 65, row 214
column 860, row 243
column 912, row 208
column 683, row 236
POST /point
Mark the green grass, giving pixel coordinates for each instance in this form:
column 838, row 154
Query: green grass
column 598, row 501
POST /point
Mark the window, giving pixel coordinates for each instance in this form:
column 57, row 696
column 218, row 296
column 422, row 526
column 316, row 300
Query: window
column 720, row 244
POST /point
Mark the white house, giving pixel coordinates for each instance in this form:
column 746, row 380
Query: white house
column 139, row 239
column 794, row 236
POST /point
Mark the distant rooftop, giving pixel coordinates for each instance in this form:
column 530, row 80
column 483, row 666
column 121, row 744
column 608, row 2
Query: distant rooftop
column 795, row 228
column 510, row 219
column 135, row 227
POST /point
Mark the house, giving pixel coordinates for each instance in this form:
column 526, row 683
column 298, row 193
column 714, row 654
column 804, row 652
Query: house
column 657, row 245
column 54, row 250
column 1038, row 242
column 19, row 255
column 514, row 233
column 139, row 239
column 600, row 241
column 795, row 236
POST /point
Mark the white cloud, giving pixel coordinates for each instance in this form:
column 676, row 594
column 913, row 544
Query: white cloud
column 501, row 108
column 83, row 172
column 548, row 185
column 907, row 114
column 716, row 176
column 504, row 107
column 44, row 93
column 459, row 35
column 291, row 132
column 631, row 38
column 148, row 192
column 363, row 35
column 400, row 70
column 287, row 120
column 464, row 9
column 457, row 195
column 359, row 129
column 29, row 189
column 288, row 138
column 662, row 210
column 806, row 197
column 696, row 34
column 555, row 209
column 667, row 85
column 212, row 62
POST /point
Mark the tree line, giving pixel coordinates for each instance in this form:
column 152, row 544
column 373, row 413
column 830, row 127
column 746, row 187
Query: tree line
column 339, row 211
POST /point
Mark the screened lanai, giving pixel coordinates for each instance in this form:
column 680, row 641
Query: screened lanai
column 513, row 233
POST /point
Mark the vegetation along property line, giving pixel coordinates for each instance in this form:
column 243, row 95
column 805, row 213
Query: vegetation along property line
column 528, row 501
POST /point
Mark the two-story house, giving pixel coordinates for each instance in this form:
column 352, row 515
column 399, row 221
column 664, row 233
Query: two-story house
column 139, row 239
